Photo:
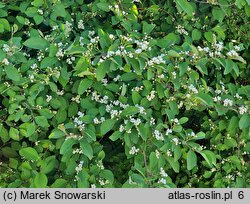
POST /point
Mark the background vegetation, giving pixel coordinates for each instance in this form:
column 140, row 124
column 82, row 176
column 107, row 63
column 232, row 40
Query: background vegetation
column 124, row 93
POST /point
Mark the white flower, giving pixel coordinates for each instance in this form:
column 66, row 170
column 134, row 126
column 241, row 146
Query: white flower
column 60, row 53
column 163, row 181
column 96, row 121
column 40, row 11
column 111, row 36
column 105, row 82
column 242, row 110
column 134, row 150
column 163, row 173
column 152, row 121
column 192, row 88
column 227, row 102
column 80, row 25
column 48, row 99
column 93, row 186
column 236, row 47
column 121, row 128
column 176, row 141
column 151, row 96
column 157, row 154
column 79, row 167
column 232, row 53
column 80, row 114
column 169, row 131
column 5, row 61
column 33, row 66
column 76, row 99
column 31, row 77
column 158, row 135
column 217, row 98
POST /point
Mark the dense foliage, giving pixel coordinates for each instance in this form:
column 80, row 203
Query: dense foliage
column 124, row 93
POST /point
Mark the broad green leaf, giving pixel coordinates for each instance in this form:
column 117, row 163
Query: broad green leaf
column 86, row 148
column 218, row 14
column 107, row 125
column 103, row 6
column 185, row 6
column 153, row 161
column 191, row 160
column 67, row 145
column 48, row 62
column 59, row 10
column 41, row 121
column 174, row 164
column 56, row 133
column 244, row 121
column 29, row 153
column 196, row 34
column 40, row 181
column 59, row 183
column 205, row 98
column 147, row 28
column 12, row 73
column 84, row 85
column 115, row 136
column 14, row 134
column 209, row 156
column 131, row 110
column 102, row 70
column 107, row 175
column 177, row 152
column 36, row 43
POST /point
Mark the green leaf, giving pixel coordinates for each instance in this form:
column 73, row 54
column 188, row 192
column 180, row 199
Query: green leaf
column 90, row 132
column 38, row 19
column 191, row 160
column 107, row 175
column 177, row 152
column 36, row 43
column 40, row 181
column 59, row 10
column 174, row 164
column 84, row 85
column 196, row 34
column 14, row 134
column 185, row 6
column 12, row 73
column 102, row 70
column 5, row 24
column 147, row 28
column 233, row 125
column 205, row 98
column 173, row 53
column 107, row 125
column 48, row 62
column 218, row 14
column 59, row 183
column 131, row 110
column 67, row 145
column 56, row 133
column 244, row 121
column 209, row 156
column 29, row 153
column 153, row 161
column 168, row 40
column 42, row 121
column 103, row 6
column 115, row 136
column 183, row 120
column 86, row 148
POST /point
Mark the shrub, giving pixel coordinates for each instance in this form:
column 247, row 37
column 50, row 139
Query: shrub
column 125, row 93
